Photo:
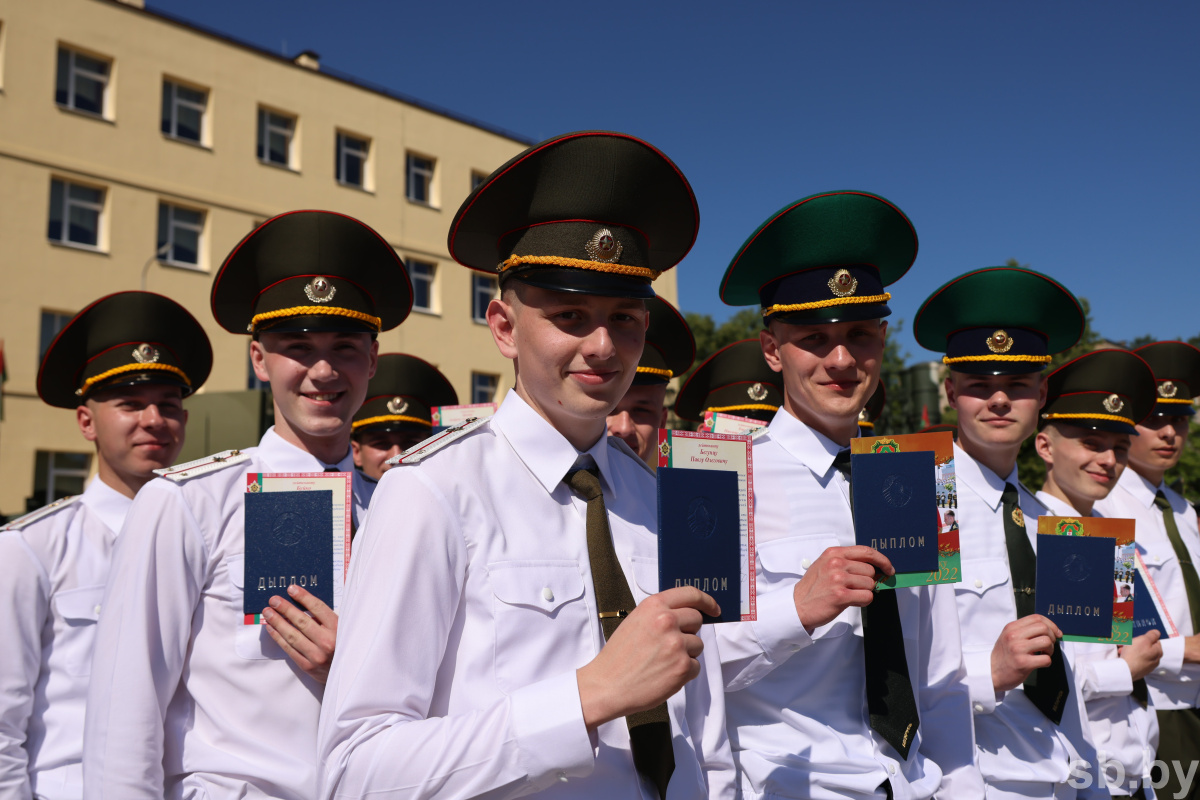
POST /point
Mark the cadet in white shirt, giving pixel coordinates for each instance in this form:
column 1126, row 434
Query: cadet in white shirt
column 1092, row 406
column 186, row 699
column 837, row 691
column 998, row 327
column 1166, row 528
column 490, row 644
column 124, row 365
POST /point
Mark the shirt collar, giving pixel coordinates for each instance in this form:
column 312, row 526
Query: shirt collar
column 985, row 483
column 1142, row 490
column 811, row 448
column 539, row 445
column 107, row 503
column 1056, row 507
column 283, row 456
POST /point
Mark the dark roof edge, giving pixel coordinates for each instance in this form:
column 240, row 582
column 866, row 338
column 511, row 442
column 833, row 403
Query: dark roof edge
column 332, row 74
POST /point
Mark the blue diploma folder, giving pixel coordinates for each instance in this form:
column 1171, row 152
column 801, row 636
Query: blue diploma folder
column 289, row 537
column 895, row 507
column 699, row 535
column 1075, row 583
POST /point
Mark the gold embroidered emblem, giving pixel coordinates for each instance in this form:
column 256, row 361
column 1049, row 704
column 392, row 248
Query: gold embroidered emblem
column 1018, row 516
column 145, row 354
column 1167, row 389
column 664, row 449
column 1000, row 342
column 843, row 283
column 320, row 290
column 397, row 405
column 1113, row 404
column 603, row 246
column 757, row 392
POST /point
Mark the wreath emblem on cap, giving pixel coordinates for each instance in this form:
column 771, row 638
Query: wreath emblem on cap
column 1113, row 404
column 757, row 392
column 1167, row 389
column 397, row 405
column 1000, row 342
column 862, row 416
column 320, row 290
column 603, row 246
column 843, row 283
column 145, row 354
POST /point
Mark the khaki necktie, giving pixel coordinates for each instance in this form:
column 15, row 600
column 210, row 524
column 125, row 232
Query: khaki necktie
column 1047, row 687
column 1191, row 581
column 649, row 731
column 890, row 700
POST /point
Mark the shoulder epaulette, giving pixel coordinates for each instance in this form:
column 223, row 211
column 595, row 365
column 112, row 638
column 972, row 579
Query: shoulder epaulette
column 623, row 447
column 202, row 466
column 417, row 452
column 41, row 513
column 757, row 432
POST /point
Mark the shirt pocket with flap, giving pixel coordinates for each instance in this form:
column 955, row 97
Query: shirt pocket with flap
column 80, row 611
column 789, row 558
column 251, row 642
column 539, row 610
column 985, row 602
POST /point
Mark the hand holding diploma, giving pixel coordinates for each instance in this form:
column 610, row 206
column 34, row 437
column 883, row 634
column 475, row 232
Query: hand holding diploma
column 840, row 578
column 1024, row 645
column 308, row 640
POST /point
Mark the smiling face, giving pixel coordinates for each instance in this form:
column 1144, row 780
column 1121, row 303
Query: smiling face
column 318, row 380
column 137, row 429
column 372, row 448
column 995, row 414
column 1082, row 465
column 1159, row 445
column 829, row 371
column 637, row 418
column 575, row 354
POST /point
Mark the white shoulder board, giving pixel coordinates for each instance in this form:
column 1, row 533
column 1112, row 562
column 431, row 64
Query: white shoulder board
column 41, row 513
column 622, row 447
column 414, row 454
column 760, row 432
column 202, row 466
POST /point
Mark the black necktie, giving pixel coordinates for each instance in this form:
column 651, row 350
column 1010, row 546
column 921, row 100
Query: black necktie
column 1046, row 687
column 890, row 699
column 649, row 731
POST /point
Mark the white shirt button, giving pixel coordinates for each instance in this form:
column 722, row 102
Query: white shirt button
column 548, row 596
column 97, row 609
column 562, row 776
column 979, row 708
column 892, row 768
column 1162, row 672
column 806, row 563
column 978, row 583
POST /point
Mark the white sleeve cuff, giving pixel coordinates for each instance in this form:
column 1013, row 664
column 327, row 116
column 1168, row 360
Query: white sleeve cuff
column 1109, row 677
column 778, row 628
column 979, row 681
column 552, row 737
column 1172, row 657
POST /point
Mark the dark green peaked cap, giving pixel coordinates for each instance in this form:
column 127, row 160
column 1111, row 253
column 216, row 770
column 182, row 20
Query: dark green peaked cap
column 825, row 258
column 1176, row 368
column 999, row 321
column 670, row 347
column 1108, row 390
column 403, row 393
column 733, row 380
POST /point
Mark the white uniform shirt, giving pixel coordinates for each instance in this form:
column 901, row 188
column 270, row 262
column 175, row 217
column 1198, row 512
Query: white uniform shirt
column 1174, row 685
column 1122, row 730
column 186, row 700
column 796, row 704
column 468, row 611
column 52, row 574
column 1021, row 753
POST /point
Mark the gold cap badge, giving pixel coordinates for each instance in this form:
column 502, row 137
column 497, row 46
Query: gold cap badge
column 603, row 246
column 1167, row 389
column 145, row 354
column 320, row 290
column 1113, row 404
column 397, row 405
column 843, row 283
column 757, row 392
column 1000, row 342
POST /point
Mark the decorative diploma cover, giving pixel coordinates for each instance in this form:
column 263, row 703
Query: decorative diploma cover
column 722, row 452
column 718, row 422
column 297, row 530
column 942, row 508
column 1085, row 577
column 1149, row 608
column 449, row 416
column 699, row 535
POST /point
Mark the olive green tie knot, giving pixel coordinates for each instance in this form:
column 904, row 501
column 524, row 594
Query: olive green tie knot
column 1161, row 501
column 585, row 482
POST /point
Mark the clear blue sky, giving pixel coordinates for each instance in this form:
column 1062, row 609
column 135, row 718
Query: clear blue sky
column 1064, row 134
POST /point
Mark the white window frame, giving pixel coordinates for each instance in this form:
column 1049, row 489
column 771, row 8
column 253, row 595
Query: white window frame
column 493, row 380
column 169, row 245
column 477, row 177
column 177, row 101
column 61, row 318
column 477, row 292
column 265, row 129
column 344, row 151
column 64, row 239
column 431, row 279
column 104, row 80
column 411, row 170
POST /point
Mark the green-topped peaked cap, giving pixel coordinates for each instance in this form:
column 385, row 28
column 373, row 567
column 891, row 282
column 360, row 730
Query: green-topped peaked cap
column 1107, row 390
column 822, row 259
column 124, row 339
column 1176, row 368
column 999, row 321
column 872, row 410
column 594, row 212
column 402, row 395
column 670, row 347
column 733, row 380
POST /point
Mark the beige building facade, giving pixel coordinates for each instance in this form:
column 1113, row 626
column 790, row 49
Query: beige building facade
column 136, row 150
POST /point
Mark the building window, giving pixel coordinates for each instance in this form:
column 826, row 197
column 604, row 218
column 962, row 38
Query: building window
column 183, row 111
column 421, row 273
column 58, row 475
column 483, row 292
column 352, row 160
column 477, row 178
column 483, row 387
column 180, row 234
column 275, row 132
column 52, row 323
column 82, row 82
column 419, row 186
column 75, row 213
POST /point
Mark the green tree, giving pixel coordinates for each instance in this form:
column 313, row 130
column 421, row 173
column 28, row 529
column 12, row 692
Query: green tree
column 711, row 337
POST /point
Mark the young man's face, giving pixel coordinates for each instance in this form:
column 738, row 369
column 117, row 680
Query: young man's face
column 576, row 354
column 637, row 418
column 1084, row 464
column 137, row 429
column 1159, row 443
column 995, row 411
column 829, row 371
column 372, row 448
column 318, row 380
